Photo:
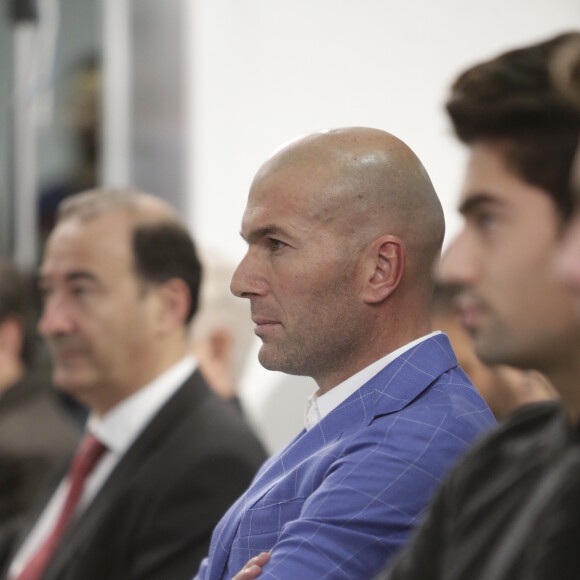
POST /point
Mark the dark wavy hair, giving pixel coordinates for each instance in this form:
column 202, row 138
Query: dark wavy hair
column 512, row 99
column 165, row 250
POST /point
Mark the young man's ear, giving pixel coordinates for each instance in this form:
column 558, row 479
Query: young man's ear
column 175, row 301
column 384, row 267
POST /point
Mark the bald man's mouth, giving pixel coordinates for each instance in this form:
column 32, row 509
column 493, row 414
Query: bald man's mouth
column 262, row 325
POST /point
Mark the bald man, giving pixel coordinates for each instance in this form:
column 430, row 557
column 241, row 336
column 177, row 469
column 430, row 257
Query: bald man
column 120, row 279
column 342, row 229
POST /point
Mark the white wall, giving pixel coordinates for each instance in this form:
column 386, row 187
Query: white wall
column 264, row 71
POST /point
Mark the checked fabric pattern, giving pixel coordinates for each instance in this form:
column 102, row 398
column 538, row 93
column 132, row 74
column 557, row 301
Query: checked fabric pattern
column 340, row 499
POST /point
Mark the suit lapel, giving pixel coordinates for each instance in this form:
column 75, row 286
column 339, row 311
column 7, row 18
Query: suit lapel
column 407, row 377
column 389, row 391
column 392, row 388
column 274, row 470
column 169, row 417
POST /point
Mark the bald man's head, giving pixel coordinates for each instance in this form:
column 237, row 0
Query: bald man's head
column 342, row 228
column 369, row 183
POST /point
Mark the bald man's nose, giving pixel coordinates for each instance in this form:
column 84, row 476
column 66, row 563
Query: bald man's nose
column 247, row 280
column 236, row 284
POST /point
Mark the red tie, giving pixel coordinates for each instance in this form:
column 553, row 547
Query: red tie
column 88, row 454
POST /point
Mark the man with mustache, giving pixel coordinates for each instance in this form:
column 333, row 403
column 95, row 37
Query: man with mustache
column 508, row 511
column 163, row 457
column 342, row 228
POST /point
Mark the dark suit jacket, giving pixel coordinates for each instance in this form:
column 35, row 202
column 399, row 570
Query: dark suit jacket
column 36, row 439
column 154, row 516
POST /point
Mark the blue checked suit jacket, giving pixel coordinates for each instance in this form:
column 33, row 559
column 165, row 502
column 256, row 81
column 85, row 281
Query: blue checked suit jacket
column 340, row 499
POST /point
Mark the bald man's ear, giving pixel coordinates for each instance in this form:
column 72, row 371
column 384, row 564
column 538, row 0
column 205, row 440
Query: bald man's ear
column 385, row 264
column 174, row 304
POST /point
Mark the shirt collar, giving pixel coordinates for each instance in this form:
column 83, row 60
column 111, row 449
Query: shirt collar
column 119, row 427
column 317, row 407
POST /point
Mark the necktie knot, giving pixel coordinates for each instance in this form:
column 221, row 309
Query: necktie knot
column 88, row 454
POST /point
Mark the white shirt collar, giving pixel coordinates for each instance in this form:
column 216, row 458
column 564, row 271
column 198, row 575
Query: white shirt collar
column 120, row 426
column 317, row 407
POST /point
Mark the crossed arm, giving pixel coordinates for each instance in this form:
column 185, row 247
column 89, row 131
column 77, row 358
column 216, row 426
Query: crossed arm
column 361, row 513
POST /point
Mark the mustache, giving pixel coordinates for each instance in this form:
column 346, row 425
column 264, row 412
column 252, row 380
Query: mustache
column 261, row 313
column 65, row 343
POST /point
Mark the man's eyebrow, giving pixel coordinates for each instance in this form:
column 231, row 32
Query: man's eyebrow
column 77, row 275
column 74, row 276
column 475, row 201
column 260, row 233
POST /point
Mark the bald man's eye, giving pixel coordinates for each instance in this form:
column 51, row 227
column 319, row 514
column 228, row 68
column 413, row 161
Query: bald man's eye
column 276, row 245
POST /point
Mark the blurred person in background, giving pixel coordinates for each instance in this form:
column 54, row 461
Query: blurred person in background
column 280, row 415
column 503, row 388
column 83, row 122
column 343, row 228
column 162, row 457
column 509, row 510
column 221, row 331
column 36, row 435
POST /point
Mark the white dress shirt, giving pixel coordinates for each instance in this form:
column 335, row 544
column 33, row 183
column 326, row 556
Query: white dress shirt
column 318, row 406
column 117, row 430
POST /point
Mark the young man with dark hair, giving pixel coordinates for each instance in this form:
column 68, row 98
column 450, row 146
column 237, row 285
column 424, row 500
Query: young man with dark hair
column 507, row 512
